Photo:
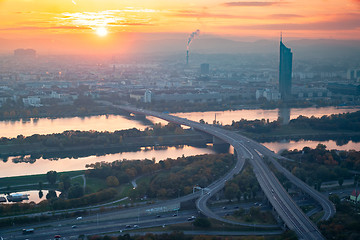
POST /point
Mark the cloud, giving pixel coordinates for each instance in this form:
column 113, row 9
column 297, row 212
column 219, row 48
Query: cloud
column 124, row 17
column 340, row 22
column 43, row 28
column 194, row 14
column 279, row 16
column 251, row 4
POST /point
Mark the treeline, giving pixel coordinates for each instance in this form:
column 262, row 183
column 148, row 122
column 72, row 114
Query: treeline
column 289, row 235
column 81, row 138
column 55, row 203
column 334, row 122
column 174, row 177
column 83, row 106
column 318, row 165
column 243, row 185
column 255, row 126
column 345, row 224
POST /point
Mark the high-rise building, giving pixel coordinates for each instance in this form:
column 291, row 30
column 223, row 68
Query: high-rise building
column 204, row 69
column 285, row 71
column 147, row 96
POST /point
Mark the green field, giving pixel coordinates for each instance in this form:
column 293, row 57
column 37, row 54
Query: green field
column 30, row 180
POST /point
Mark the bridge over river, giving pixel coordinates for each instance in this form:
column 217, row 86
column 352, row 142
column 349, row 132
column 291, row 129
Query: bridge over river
column 246, row 148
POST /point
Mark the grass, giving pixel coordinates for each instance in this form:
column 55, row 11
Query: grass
column 307, row 208
column 264, row 218
column 30, row 179
column 215, row 226
column 93, row 184
column 125, row 189
column 144, row 179
column 317, row 217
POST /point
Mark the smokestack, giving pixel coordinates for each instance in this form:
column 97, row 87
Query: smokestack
column 187, row 57
column 191, row 37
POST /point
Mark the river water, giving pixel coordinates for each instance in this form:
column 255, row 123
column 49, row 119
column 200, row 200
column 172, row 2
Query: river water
column 115, row 122
column 40, row 166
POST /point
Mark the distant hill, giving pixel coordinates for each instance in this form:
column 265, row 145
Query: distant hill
column 176, row 43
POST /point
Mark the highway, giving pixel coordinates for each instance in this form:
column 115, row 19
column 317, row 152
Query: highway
column 284, row 205
column 117, row 222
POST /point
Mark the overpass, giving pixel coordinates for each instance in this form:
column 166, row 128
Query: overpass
column 283, row 204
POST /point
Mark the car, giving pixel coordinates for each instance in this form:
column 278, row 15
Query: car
column 57, row 236
column 236, row 207
column 175, row 215
column 224, row 207
column 136, row 226
column 128, row 226
column 74, row 226
column 158, row 216
column 28, row 231
column 78, row 218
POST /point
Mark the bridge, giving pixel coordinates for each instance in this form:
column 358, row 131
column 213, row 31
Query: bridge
column 286, row 208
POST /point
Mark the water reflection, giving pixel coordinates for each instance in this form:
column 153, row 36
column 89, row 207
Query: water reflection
column 284, row 115
column 25, row 165
column 291, row 145
column 32, row 196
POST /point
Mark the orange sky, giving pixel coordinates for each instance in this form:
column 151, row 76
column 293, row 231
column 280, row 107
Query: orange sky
column 75, row 22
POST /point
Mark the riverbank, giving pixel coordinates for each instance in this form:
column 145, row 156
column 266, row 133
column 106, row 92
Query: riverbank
column 288, row 133
column 29, row 182
column 127, row 144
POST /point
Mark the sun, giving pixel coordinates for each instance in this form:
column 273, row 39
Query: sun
column 101, row 31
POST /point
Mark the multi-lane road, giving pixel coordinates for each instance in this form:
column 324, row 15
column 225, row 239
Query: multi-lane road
column 284, row 205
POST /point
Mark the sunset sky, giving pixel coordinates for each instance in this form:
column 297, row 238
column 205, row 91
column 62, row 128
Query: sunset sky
column 83, row 23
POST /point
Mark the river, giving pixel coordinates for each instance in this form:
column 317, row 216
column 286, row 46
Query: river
column 115, row 122
column 40, row 166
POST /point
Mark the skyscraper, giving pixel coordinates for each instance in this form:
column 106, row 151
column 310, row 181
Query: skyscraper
column 204, row 69
column 285, row 71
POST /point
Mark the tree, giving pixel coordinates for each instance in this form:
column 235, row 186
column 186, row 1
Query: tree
column 231, row 191
column 66, row 182
column 75, row 191
column 112, row 181
column 239, row 212
column 335, row 199
column 51, row 177
column 51, row 194
column 202, row 222
column 41, row 194
column 341, row 181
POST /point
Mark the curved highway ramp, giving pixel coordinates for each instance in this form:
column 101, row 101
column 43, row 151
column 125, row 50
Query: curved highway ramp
column 284, row 205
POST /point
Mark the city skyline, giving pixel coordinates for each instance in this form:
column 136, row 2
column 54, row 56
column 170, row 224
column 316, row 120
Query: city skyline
column 106, row 26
